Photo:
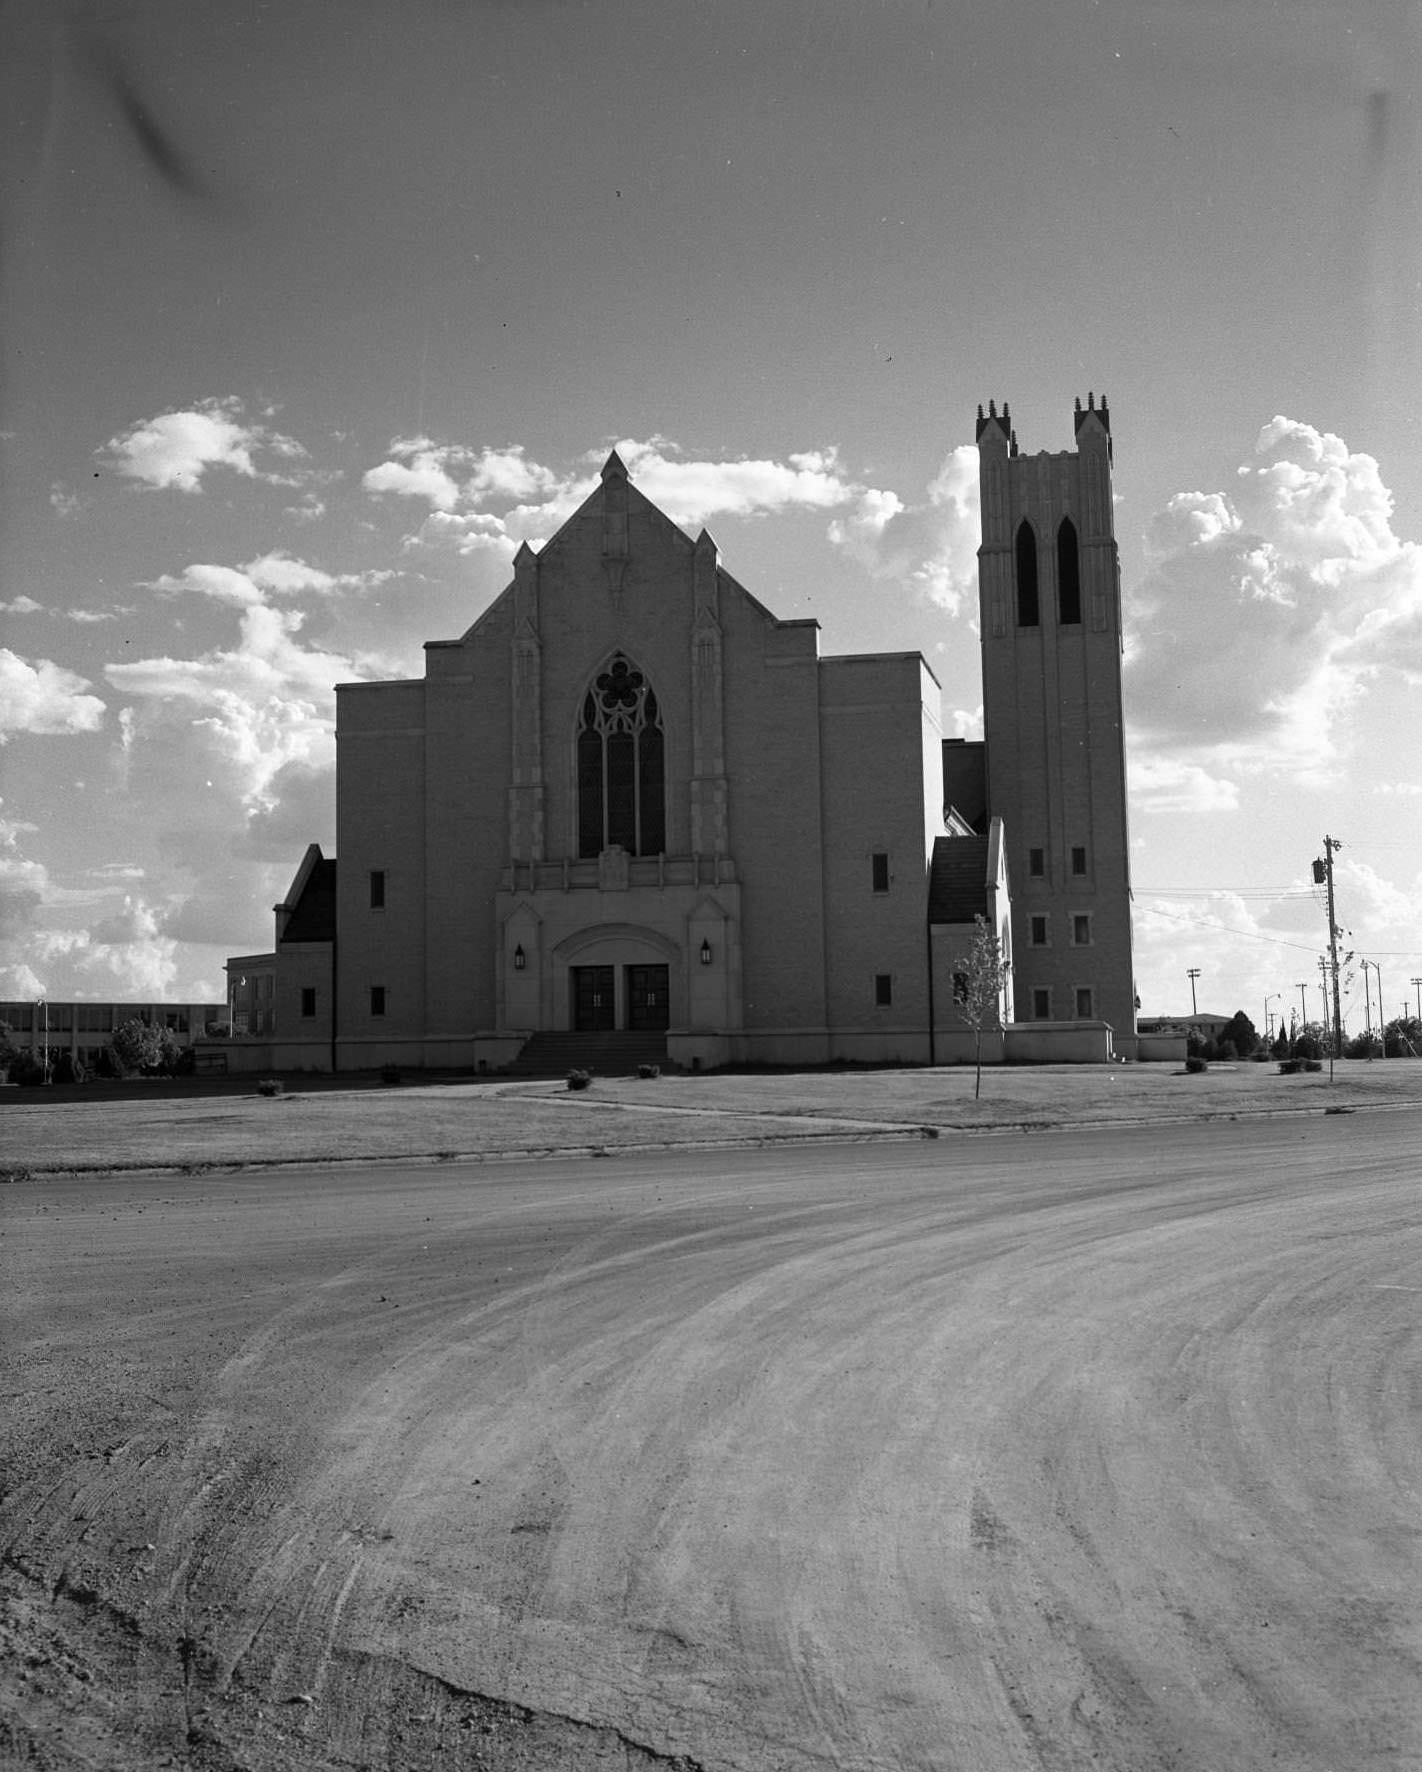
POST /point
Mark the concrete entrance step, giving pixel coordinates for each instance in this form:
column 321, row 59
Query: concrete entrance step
column 604, row 1054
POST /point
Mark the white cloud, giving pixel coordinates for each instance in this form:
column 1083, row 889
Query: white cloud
column 419, row 468
column 458, row 484
column 932, row 545
column 1266, row 608
column 44, row 698
column 176, row 449
column 267, row 703
column 691, row 492
column 277, row 573
column 22, row 605
column 1168, row 784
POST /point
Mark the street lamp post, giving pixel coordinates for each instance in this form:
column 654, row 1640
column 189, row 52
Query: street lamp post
column 1273, row 997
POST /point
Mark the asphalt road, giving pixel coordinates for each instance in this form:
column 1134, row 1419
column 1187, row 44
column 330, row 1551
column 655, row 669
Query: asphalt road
column 1072, row 1450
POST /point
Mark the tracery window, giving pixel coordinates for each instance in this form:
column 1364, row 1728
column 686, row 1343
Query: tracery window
column 621, row 764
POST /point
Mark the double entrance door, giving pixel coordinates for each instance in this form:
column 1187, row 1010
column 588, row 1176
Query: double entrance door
column 646, row 995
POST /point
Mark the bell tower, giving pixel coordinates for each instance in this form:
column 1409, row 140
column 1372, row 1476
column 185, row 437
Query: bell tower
column 1050, row 608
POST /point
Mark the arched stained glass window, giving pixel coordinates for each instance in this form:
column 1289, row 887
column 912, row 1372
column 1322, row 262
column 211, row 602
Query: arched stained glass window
column 1068, row 575
column 621, row 765
column 1027, row 607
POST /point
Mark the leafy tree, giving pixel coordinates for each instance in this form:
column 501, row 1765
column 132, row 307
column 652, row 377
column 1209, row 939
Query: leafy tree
column 978, row 978
column 9, row 1051
column 68, row 1069
column 1240, row 1032
column 1403, row 1037
column 135, row 1047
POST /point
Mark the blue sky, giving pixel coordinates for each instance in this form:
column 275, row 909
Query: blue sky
column 314, row 310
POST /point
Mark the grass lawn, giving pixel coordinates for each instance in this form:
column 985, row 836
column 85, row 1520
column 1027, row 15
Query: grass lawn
column 135, row 1128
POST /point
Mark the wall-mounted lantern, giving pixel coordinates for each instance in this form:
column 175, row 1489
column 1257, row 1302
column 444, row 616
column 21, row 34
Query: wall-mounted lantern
column 520, row 958
column 705, row 953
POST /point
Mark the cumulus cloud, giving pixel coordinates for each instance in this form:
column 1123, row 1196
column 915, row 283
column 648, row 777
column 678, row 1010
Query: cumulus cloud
column 1266, row 607
column 177, row 449
column 264, row 704
column 44, row 698
column 247, row 587
column 1169, row 784
column 459, row 484
column 419, row 468
column 931, row 545
column 22, row 605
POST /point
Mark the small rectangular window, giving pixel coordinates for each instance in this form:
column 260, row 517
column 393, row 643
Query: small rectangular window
column 377, row 889
column 308, row 1001
column 1081, row 930
column 879, row 863
column 1042, row 1004
column 1039, row 932
column 1036, row 863
column 377, row 999
column 1083, row 1005
column 883, row 989
column 1078, row 859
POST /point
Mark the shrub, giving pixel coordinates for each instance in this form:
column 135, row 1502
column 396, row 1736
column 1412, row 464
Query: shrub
column 1225, row 1051
column 1195, row 1064
column 579, row 1079
column 1290, row 1067
column 68, row 1069
column 1312, row 1064
column 648, row 1071
column 28, row 1071
column 271, row 1086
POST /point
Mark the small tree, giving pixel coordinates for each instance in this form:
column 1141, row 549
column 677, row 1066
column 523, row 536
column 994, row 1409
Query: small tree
column 978, row 978
column 135, row 1046
column 9, row 1051
column 1240, row 1032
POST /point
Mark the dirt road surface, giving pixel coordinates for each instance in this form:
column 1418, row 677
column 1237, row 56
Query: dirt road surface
column 1077, row 1450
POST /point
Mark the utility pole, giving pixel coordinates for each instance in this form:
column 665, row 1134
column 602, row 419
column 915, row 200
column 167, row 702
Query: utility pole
column 1323, row 876
column 1192, row 975
column 1303, row 1005
column 1382, row 1019
column 1417, row 983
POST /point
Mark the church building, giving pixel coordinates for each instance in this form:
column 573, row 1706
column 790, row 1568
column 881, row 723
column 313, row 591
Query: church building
column 631, row 813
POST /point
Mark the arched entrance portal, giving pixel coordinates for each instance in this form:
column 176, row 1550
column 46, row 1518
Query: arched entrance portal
column 619, row 979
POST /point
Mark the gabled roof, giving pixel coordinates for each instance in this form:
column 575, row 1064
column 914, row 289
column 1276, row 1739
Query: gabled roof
column 958, row 880
column 313, row 916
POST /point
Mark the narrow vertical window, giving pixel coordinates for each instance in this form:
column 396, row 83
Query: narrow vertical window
column 883, row 989
column 1036, row 863
column 1083, row 1005
column 621, row 752
column 377, row 999
column 377, row 889
column 1027, row 607
column 1078, row 859
column 1068, row 575
column 1041, row 1004
column 308, row 1001
column 1039, row 932
column 1081, row 930
column 879, row 871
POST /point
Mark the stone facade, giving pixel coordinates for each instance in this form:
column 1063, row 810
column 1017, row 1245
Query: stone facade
column 630, row 798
